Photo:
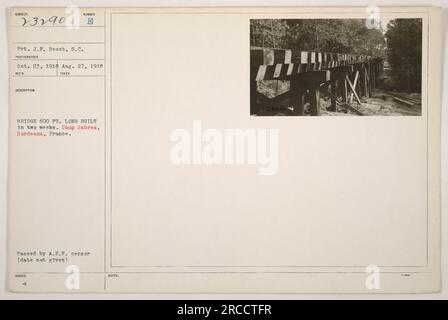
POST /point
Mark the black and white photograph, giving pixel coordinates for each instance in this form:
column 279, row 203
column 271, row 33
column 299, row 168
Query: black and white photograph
column 336, row 67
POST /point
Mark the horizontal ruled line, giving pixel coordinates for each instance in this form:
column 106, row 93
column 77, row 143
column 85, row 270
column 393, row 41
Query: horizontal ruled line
column 72, row 76
column 46, row 59
column 55, row 42
column 70, row 28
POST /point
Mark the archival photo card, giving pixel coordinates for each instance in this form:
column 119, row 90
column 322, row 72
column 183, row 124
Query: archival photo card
column 147, row 152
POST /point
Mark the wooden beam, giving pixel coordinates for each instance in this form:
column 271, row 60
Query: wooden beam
column 333, row 92
column 353, row 89
column 355, row 82
column 283, row 64
column 343, row 83
column 364, row 84
column 407, row 103
column 275, row 100
column 315, row 101
column 315, row 76
column 297, row 97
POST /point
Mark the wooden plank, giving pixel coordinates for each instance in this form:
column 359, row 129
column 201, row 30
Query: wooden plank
column 353, row 89
column 407, row 103
column 364, row 88
column 316, row 76
column 290, row 69
column 271, row 56
column 256, row 57
column 296, row 56
column 355, row 82
column 343, row 69
column 287, row 57
column 303, row 57
column 266, row 101
column 343, row 83
column 278, row 70
column 283, row 64
column 261, row 74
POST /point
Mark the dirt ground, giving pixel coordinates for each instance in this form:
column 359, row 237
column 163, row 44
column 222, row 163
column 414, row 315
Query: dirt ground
column 382, row 103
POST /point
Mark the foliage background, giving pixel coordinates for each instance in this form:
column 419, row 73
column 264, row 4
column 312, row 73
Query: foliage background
column 398, row 43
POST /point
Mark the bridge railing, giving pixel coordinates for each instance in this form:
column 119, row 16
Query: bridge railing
column 347, row 77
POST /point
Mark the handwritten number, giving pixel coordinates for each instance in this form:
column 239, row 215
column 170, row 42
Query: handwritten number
column 34, row 21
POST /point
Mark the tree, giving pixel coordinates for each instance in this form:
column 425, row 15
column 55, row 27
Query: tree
column 268, row 33
column 325, row 35
column 404, row 53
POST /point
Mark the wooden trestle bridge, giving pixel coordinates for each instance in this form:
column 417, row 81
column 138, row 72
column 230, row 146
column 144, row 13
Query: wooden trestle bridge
column 346, row 77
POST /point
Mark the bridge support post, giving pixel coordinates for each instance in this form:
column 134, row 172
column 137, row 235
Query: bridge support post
column 297, row 96
column 363, row 81
column 333, row 92
column 352, row 77
column 308, row 81
column 254, row 106
column 253, row 97
column 315, row 100
column 339, row 75
column 344, row 89
column 368, row 80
